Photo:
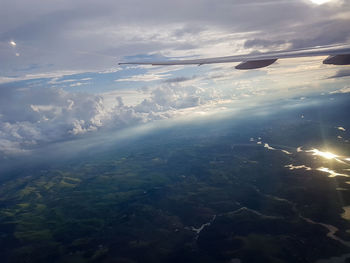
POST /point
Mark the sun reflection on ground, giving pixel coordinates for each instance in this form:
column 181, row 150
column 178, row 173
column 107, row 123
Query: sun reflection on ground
column 331, row 172
column 266, row 145
column 346, row 214
column 286, row 152
column 324, row 154
column 327, row 155
column 293, row 167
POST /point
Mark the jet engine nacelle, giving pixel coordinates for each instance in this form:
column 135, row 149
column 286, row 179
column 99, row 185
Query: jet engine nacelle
column 253, row 64
column 338, row 60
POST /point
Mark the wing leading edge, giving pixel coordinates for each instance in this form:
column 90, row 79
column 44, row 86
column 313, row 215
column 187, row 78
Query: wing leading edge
column 337, row 55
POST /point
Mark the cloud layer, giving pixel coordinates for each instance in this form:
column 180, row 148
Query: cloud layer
column 59, row 77
column 89, row 35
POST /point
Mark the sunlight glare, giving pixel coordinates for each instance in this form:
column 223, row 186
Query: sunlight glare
column 327, row 155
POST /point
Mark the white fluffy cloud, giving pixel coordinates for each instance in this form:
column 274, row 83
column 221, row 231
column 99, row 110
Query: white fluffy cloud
column 31, row 117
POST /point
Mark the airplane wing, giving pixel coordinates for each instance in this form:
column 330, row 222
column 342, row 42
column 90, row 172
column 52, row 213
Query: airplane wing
column 337, row 55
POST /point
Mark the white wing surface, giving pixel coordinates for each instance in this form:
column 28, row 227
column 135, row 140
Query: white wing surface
column 337, row 55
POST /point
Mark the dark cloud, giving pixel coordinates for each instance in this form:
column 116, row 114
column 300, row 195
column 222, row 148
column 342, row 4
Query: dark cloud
column 325, row 32
column 185, row 46
column 265, row 43
column 341, row 74
column 189, row 30
column 179, row 79
column 90, row 35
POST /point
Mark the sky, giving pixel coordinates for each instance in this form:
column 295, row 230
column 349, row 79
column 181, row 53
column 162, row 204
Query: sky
column 60, row 79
